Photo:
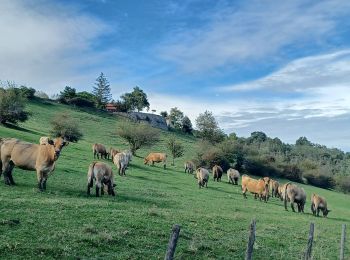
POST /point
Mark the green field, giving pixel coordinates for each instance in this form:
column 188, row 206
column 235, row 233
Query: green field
column 64, row 223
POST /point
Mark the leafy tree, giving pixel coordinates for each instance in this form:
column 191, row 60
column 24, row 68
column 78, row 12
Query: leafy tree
column 41, row 94
column 187, row 125
column 164, row 114
column 303, row 141
column 136, row 100
column 138, row 135
column 176, row 148
column 208, row 128
column 232, row 136
column 12, row 106
column 102, row 91
column 257, row 137
column 67, row 94
column 27, row 92
column 176, row 116
column 63, row 125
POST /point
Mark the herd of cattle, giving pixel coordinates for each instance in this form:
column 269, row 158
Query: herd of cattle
column 42, row 157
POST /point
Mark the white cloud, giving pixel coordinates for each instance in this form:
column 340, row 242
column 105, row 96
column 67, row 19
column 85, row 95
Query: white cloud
column 252, row 31
column 46, row 45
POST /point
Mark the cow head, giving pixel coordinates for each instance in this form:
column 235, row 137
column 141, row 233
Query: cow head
column 58, row 144
column 325, row 212
column 145, row 161
column 266, row 181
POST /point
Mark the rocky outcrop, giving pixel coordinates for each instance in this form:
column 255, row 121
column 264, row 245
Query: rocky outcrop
column 154, row 120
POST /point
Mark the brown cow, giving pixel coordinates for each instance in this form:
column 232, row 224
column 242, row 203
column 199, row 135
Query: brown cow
column 293, row 193
column 274, row 185
column 103, row 175
column 189, row 167
column 202, row 177
column 319, row 203
column 217, row 173
column 28, row 156
column 156, row 157
column 100, row 149
column 113, row 152
column 257, row 187
column 233, row 176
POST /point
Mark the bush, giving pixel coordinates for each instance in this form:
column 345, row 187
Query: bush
column 317, row 179
column 12, row 105
column 291, row 172
column 209, row 155
column 81, row 102
column 138, row 134
column 27, row 92
column 343, row 183
column 65, row 126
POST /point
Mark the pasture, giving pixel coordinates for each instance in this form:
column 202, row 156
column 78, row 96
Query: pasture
column 64, row 223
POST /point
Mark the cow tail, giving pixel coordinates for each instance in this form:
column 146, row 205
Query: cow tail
column 285, row 196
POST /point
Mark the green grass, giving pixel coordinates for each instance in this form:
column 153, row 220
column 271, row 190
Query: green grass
column 64, row 223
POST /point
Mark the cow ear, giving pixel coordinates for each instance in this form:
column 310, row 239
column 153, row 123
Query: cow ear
column 51, row 142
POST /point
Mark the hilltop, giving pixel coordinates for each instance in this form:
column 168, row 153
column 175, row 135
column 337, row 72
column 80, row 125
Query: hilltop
column 64, row 223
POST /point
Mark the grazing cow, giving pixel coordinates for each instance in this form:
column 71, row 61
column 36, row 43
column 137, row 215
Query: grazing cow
column 103, row 175
column 100, row 150
column 28, row 156
column 121, row 161
column 113, row 152
column 156, row 157
column 294, row 194
column 257, row 187
column 233, row 176
column 319, row 203
column 128, row 155
column 217, row 173
column 274, row 185
column 202, row 177
column 189, row 167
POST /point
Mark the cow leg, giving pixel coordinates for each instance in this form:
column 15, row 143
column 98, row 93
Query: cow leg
column 164, row 166
column 292, row 205
column 244, row 192
column 9, row 173
column 39, row 176
column 102, row 189
column 6, row 168
column 98, row 187
column 318, row 212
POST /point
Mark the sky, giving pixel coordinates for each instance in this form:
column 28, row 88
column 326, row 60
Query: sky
column 281, row 67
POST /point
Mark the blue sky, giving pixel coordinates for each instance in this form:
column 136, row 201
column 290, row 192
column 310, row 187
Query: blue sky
column 282, row 67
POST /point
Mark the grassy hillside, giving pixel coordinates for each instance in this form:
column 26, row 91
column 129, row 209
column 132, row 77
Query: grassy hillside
column 64, row 223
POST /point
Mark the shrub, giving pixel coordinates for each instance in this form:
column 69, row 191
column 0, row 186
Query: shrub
column 81, row 102
column 12, row 105
column 27, row 92
column 138, row 135
column 65, row 126
column 318, row 179
column 176, row 148
column 343, row 183
column 291, row 172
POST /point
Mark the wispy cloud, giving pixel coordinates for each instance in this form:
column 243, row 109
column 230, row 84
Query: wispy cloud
column 47, row 45
column 251, row 31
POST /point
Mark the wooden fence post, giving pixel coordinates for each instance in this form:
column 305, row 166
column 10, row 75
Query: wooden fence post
column 172, row 242
column 308, row 251
column 342, row 242
column 251, row 240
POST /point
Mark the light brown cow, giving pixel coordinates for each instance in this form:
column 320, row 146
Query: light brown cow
column 259, row 187
column 217, row 173
column 319, row 203
column 233, row 176
column 113, row 152
column 156, row 157
column 121, row 161
column 274, row 185
column 294, row 194
column 28, row 156
column 103, row 175
column 202, row 177
column 281, row 191
column 45, row 140
column 100, row 150
column 189, row 167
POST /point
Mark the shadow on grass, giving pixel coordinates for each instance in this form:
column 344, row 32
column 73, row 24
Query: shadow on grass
column 16, row 127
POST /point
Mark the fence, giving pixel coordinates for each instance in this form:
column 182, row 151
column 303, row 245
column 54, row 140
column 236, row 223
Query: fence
column 307, row 255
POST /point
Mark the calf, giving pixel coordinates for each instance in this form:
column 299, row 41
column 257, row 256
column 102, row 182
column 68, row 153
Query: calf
column 121, row 161
column 103, row 175
column 189, row 167
column 319, row 203
column 217, row 172
column 156, row 157
column 100, row 150
column 233, row 176
column 202, row 177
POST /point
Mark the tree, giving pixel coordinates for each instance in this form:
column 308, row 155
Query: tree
column 67, row 94
column 208, row 128
column 136, row 100
column 164, row 114
column 303, row 141
column 102, row 91
column 12, row 106
column 257, row 137
column 176, row 148
column 176, row 116
column 41, row 94
column 63, row 125
column 138, row 135
column 187, row 125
